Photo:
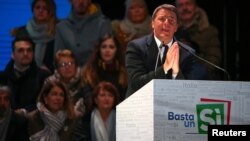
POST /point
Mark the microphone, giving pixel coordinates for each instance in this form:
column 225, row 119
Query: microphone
column 192, row 51
column 158, row 56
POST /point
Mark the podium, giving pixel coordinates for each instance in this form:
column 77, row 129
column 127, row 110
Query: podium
column 181, row 110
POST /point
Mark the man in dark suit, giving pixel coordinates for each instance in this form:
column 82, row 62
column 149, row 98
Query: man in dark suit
column 13, row 127
column 159, row 55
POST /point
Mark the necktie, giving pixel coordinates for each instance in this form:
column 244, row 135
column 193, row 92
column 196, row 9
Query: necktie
column 164, row 53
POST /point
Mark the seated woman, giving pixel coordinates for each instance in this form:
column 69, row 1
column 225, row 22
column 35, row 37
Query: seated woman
column 103, row 117
column 41, row 29
column 68, row 73
column 99, row 125
column 106, row 64
column 135, row 24
column 54, row 118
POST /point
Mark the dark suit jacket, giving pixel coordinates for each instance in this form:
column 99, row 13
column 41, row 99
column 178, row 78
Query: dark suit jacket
column 141, row 58
column 25, row 89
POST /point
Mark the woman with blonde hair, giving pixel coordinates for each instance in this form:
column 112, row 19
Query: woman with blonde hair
column 68, row 72
column 41, row 29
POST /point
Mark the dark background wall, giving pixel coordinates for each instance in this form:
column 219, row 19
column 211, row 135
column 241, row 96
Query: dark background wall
column 229, row 16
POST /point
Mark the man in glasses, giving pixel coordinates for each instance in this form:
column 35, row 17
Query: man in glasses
column 23, row 76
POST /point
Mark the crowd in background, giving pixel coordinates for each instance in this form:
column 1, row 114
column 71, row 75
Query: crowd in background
column 66, row 76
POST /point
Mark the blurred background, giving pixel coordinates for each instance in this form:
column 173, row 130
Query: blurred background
column 229, row 16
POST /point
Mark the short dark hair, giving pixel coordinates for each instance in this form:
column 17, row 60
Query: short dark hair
column 22, row 38
column 168, row 7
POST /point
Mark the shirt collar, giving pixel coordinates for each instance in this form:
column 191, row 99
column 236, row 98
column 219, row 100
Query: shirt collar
column 158, row 42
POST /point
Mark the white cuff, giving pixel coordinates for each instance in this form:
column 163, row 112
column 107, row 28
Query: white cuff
column 174, row 76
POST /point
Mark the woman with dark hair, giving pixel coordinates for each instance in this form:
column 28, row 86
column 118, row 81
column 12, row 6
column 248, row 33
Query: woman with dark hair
column 103, row 118
column 106, row 64
column 41, row 28
column 54, row 118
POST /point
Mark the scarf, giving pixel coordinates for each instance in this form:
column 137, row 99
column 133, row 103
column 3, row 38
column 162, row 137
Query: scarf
column 38, row 33
column 100, row 132
column 136, row 30
column 53, row 124
column 74, row 84
column 4, row 124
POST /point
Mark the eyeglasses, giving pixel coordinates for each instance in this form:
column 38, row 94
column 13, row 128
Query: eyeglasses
column 65, row 64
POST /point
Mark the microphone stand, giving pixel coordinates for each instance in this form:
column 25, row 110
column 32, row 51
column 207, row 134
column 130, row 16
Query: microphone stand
column 191, row 51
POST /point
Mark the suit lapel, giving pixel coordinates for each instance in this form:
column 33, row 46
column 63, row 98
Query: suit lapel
column 152, row 53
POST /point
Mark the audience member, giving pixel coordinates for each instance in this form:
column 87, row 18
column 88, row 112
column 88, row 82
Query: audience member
column 12, row 126
column 54, row 119
column 103, row 117
column 68, row 72
column 41, row 29
column 23, row 76
column 99, row 124
column 106, row 64
column 159, row 55
column 136, row 23
column 194, row 23
column 84, row 26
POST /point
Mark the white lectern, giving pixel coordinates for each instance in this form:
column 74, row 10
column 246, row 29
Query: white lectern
column 181, row 110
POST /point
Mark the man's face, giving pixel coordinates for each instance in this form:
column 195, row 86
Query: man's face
column 186, row 9
column 23, row 53
column 4, row 102
column 165, row 25
column 80, row 6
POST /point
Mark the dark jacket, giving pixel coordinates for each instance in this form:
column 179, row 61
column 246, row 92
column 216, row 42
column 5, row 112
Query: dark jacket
column 112, row 75
column 25, row 88
column 141, row 58
column 17, row 130
column 82, row 130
